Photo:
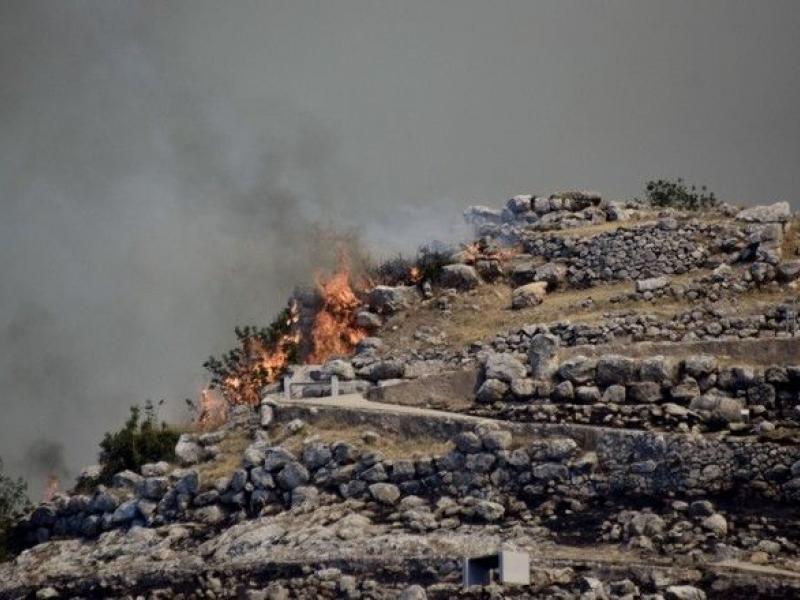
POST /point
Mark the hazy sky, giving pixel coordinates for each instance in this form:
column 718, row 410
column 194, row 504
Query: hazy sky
column 162, row 162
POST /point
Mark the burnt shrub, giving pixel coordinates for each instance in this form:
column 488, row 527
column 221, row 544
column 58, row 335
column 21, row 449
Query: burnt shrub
column 143, row 439
column 431, row 259
column 664, row 193
column 395, row 271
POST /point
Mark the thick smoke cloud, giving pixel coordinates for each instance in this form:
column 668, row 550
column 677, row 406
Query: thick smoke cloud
column 162, row 164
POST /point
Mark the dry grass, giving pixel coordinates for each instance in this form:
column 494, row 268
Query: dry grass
column 790, row 247
column 232, row 448
column 481, row 314
column 391, row 444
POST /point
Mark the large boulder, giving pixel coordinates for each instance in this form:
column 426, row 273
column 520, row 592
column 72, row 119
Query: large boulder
column 718, row 409
column 652, row 284
column 385, row 493
column 543, row 355
column 523, row 273
column 187, row 451
column 552, row 273
column 578, row 369
column 615, row 369
column 789, row 270
column 480, row 215
column 779, row 212
column 520, row 204
column 387, row 300
column 461, row 277
column 531, row 294
column 700, row 365
column 684, row 592
column 292, row 475
column 491, row 390
column 504, row 367
column 384, row 369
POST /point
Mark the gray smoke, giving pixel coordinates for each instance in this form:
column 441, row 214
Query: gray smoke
column 162, row 164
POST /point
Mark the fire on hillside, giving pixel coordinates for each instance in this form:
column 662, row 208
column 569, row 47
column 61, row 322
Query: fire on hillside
column 265, row 353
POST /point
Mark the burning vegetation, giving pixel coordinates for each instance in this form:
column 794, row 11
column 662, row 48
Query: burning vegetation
column 264, row 353
column 314, row 328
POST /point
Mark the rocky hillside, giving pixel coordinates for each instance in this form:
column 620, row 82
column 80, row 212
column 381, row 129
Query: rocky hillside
column 610, row 387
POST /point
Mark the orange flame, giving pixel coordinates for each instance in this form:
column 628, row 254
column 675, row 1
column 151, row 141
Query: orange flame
column 213, row 410
column 415, row 275
column 51, row 487
column 262, row 365
column 334, row 332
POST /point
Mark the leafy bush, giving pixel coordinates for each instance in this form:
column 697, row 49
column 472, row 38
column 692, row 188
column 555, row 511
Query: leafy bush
column 674, row 194
column 13, row 503
column 142, row 440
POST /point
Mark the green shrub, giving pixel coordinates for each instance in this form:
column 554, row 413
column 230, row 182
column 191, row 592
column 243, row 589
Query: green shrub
column 674, row 194
column 142, row 440
column 13, row 503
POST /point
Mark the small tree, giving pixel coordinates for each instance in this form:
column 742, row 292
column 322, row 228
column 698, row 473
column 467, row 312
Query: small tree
column 13, row 503
column 142, row 440
column 674, row 194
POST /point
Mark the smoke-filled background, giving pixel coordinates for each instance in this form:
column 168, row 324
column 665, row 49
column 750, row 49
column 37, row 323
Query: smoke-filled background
column 162, row 163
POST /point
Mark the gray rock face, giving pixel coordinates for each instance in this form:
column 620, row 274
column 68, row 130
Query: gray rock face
column 543, row 355
column 779, row 212
column 460, row 277
column 504, row 367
